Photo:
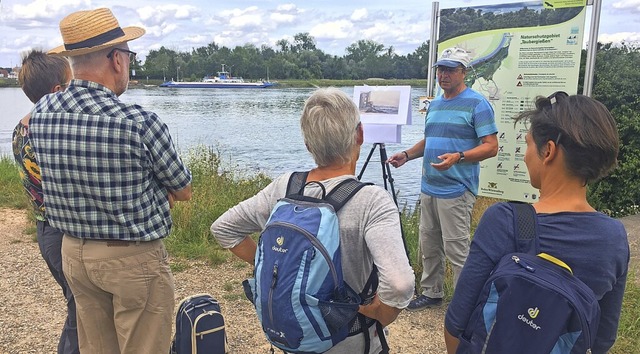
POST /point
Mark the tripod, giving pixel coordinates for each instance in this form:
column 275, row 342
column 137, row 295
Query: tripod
column 386, row 176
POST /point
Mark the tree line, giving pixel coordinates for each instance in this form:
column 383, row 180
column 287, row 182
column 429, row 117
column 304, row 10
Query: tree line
column 296, row 59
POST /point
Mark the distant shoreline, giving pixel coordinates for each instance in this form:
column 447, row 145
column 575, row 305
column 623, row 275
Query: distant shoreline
column 143, row 83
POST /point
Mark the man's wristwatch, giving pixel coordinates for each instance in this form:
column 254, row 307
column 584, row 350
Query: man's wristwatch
column 461, row 159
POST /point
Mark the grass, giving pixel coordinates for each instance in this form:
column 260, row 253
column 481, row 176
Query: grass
column 216, row 189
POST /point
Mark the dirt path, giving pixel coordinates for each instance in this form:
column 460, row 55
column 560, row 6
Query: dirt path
column 32, row 309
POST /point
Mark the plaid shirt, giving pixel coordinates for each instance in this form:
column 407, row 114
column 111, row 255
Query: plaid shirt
column 106, row 165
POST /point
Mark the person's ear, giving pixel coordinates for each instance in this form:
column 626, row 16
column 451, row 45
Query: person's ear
column 57, row 88
column 360, row 134
column 117, row 62
column 550, row 152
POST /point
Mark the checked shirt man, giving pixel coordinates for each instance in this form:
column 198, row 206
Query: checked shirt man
column 110, row 174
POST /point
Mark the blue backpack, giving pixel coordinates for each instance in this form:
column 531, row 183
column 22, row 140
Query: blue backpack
column 531, row 302
column 200, row 327
column 298, row 291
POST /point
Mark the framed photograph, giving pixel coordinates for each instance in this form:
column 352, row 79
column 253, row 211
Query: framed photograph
column 383, row 104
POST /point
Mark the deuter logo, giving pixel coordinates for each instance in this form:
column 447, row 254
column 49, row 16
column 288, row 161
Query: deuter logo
column 533, row 313
column 524, row 319
column 280, row 242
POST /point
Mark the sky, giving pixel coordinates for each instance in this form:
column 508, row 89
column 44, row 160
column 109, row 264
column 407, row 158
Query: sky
column 335, row 24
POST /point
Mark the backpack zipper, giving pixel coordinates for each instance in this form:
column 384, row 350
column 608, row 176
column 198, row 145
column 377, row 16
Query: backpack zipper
column 274, row 281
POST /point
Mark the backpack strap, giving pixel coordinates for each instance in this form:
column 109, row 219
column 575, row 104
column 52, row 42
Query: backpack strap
column 341, row 194
column 297, row 181
column 337, row 197
column 526, row 227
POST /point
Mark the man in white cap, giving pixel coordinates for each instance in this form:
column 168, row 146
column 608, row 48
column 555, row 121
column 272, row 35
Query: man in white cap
column 110, row 174
column 460, row 131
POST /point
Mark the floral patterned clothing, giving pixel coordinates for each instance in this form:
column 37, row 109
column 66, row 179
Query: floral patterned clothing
column 29, row 169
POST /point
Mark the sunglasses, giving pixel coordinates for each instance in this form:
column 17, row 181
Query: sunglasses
column 132, row 55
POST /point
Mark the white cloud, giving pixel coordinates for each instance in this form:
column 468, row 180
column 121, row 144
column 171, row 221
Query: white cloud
column 619, row 37
column 332, row 30
column 359, row 14
column 627, row 5
column 282, row 18
column 246, row 21
column 155, row 15
column 161, row 30
column 286, row 7
column 196, row 39
column 46, row 9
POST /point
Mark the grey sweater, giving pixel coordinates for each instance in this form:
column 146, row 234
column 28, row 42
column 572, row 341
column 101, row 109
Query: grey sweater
column 369, row 233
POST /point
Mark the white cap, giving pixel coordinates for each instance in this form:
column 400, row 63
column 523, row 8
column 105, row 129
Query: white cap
column 453, row 57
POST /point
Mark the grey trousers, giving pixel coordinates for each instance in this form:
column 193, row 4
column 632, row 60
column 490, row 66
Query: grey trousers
column 445, row 226
column 50, row 243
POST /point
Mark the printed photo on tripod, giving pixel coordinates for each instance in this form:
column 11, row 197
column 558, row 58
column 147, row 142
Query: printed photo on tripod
column 383, row 111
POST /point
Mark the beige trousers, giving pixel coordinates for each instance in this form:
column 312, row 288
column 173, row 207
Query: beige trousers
column 124, row 294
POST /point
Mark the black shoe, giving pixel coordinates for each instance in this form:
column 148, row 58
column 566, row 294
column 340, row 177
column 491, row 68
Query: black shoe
column 423, row 302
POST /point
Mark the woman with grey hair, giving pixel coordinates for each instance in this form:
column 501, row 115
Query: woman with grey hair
column 369, row 223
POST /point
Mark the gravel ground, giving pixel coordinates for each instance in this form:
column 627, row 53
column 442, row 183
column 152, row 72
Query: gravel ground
column 32, row 308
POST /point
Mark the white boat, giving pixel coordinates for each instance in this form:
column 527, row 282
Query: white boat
column 224, row 79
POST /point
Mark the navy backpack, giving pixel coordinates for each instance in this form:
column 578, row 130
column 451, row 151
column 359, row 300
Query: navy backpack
column 531, row 302
column 200, row 327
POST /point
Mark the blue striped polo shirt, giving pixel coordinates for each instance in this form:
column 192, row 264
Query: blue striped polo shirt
column 453, row 125
column 106, row 165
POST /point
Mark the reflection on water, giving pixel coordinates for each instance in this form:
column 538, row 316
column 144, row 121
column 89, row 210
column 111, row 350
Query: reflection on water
column 254, row 130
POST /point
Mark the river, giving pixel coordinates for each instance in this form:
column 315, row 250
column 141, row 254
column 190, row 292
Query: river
column 254, row 130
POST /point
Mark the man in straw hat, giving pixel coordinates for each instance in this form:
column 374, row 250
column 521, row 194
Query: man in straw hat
column 110, row 174
column 460, row 131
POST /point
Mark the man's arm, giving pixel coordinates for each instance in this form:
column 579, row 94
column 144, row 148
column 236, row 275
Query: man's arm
column 402, row 157
column 487, row 148
column 183, row 194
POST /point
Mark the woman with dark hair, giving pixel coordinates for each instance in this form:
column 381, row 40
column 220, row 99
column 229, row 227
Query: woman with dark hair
column 572, row 141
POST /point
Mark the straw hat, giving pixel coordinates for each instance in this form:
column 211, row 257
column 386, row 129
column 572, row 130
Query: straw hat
column 89, row 31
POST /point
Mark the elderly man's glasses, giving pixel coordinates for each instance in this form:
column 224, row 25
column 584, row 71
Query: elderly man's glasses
column 132, row 55
column 447, row 70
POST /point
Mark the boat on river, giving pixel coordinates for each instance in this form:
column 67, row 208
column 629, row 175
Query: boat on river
column 224, row 79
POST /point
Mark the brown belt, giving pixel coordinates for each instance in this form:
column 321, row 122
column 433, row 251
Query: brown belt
column 115, row 243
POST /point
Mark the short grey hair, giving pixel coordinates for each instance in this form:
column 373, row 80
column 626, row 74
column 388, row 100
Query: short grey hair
column 329, row 123
column 89, row 59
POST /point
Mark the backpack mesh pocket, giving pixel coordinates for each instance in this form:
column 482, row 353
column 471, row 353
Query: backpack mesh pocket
column 341, row 310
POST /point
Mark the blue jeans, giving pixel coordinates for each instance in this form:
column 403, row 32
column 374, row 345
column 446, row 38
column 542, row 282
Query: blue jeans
column 50, row 243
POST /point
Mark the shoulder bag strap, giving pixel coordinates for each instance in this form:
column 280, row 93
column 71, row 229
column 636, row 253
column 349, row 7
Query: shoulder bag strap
column 526, row 228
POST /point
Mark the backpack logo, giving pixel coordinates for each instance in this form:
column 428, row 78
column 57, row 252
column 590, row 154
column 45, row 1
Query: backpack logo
column 532, row 324
column 279, row 241
column 533, row 313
